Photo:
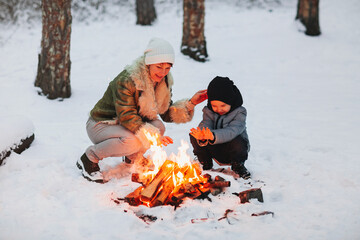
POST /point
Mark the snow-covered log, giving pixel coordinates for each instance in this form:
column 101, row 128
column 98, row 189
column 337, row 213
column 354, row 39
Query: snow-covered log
column 18, row 138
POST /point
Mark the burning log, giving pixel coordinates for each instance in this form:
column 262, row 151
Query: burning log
column 133, row 198
column 216, row 187
column 189, row 188
column 177, row 197
column 196, row 194
column 217, row 184
column 207, row 177
column 165, row 192
column 204, row 195
column 164, row 173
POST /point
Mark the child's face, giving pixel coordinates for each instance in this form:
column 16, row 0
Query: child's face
column 220, row 107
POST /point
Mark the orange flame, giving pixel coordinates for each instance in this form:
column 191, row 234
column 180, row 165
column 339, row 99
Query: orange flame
column 187, row 171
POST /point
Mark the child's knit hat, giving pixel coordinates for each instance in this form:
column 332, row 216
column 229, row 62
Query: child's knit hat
column 223, row 89
column 159, row 51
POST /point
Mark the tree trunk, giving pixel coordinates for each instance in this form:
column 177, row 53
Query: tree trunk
column 145, row 12
column 193, row 40
column 308, row 14
column 53, row 74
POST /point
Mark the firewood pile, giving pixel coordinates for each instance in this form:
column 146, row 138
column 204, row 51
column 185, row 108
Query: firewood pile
column 172, row 184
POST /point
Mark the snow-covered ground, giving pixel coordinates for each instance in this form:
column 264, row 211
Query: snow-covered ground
column 302, row 97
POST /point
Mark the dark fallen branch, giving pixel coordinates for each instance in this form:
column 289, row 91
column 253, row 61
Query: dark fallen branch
column 147, row 218
column 262, row 214
column 4, row 154
column 199, row 220
column 18, row 148
column 226, row 215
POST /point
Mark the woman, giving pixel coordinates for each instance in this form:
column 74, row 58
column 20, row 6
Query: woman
column 130, row 105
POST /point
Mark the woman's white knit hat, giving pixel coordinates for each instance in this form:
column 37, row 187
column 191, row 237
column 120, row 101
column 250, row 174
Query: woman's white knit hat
column 159, row 51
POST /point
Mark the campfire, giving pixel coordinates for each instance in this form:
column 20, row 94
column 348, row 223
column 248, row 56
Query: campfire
column 170, row 180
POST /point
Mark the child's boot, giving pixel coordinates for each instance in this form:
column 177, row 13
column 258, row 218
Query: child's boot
column 206, row 162
column 241, row 170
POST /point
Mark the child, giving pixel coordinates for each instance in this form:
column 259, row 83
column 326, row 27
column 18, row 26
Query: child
column 223, row 136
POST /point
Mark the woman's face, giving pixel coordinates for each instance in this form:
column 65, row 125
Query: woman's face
column 220, row 107
column 158, row 71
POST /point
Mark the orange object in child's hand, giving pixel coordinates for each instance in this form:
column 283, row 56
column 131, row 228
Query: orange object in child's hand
column 196, row 133
column 208, row 134
column 202, row 134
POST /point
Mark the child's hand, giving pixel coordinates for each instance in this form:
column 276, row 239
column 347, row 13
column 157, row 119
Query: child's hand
column 165, row 140
column 202, row 134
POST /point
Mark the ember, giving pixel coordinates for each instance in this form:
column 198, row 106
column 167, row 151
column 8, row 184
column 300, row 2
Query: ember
column 170, row 181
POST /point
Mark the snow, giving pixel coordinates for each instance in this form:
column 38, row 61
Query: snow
column 302, row 97
column 24, row 129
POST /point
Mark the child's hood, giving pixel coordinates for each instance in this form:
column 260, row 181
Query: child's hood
column 223, row 89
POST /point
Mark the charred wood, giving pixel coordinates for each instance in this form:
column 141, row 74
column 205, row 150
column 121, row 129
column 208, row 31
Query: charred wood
column 133, row 198
column 254, row 193
column 262, row 214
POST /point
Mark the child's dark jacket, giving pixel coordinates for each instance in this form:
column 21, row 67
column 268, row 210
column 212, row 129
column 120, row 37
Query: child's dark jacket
column 225, row 127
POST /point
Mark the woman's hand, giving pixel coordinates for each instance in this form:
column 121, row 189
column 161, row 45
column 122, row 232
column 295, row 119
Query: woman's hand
column 165, row 140
column 199, row 97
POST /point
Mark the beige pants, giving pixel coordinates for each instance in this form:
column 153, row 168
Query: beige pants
column 115, row 141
